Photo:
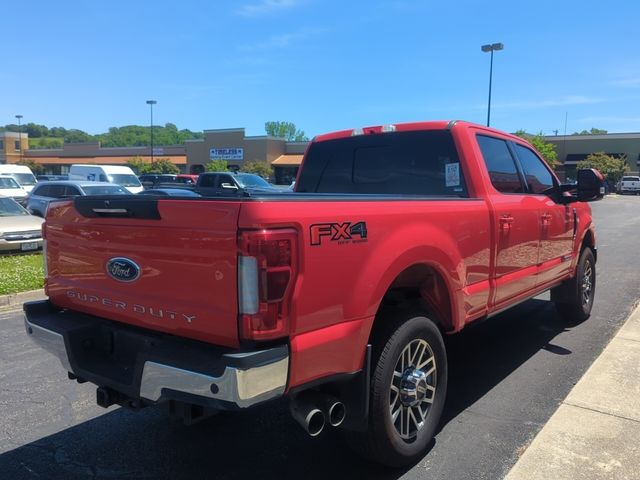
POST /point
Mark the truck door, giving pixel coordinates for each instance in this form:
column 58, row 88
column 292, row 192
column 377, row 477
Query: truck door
column 515, row 217
column 556, row 221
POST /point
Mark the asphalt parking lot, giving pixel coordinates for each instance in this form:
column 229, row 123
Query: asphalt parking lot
column 508, row 376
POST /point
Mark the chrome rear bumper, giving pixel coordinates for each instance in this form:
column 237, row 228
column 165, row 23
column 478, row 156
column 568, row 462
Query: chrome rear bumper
column 168, row 369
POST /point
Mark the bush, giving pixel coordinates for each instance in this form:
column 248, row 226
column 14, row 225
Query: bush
column 217, row 166
column 259, row 168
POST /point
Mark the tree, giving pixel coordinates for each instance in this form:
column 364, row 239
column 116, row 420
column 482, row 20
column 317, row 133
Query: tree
column 160, row 165
column 217, row 166
column 286, row 130
column 258, row 167
column 138, row 165
column 593, row 131
column 613, row 168
column 36, row 168
column 545, row 149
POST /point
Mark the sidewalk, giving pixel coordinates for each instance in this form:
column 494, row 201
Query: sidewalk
column 595, row 433
column 15, row 300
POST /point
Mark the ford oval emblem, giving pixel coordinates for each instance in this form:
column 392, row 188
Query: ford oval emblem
column 123, row 269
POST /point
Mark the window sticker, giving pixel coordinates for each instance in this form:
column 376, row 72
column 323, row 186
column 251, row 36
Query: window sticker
column 452, row 174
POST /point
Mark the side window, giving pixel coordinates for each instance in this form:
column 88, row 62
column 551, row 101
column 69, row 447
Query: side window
column 223, row 179
column 56, row 191
column 538, row 177
column 207, row 180
column 71, row 191
column 43, row 191
column 103, row 178
column 500, row 164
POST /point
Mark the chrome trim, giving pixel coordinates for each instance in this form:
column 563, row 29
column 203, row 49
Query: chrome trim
column 50, row 341
column 241, row 387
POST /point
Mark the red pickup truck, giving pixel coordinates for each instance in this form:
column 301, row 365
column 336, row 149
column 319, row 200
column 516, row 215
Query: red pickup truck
column 337, row 295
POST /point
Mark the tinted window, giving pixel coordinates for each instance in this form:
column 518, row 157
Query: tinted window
column 538, row 177
column 71, row 191
column 207, row 180
column 247, row 180
column 411, row 163
column 500, row 165
column 223, row 179
column 42, row 190
column 9, row 208
column 56, row 191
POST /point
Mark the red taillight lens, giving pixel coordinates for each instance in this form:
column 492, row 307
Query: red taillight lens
column 267, row 268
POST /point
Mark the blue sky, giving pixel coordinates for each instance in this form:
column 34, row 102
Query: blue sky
column 322, row 64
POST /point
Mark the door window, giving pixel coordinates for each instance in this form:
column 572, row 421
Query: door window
column 56, row 191
column 500, row 164
column 537, row 175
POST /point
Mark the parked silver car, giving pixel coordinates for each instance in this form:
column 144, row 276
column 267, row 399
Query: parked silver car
column 45, row 192
column 19, row 231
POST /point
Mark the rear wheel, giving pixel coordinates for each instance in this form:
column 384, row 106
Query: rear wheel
column 408, row 389
column 575, row 305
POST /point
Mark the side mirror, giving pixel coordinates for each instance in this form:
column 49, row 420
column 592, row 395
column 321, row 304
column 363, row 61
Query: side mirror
column 590, row 185
column 229, row 186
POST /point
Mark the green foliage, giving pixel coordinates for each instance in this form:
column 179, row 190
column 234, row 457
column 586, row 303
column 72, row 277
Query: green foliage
column 593, row 131
column 160, row 165
column 36, row 168
column 286, row 130
column 613, row 168
column 20, row 273
column 545, row 149
column 259, row 168
column 45, row 142
column 217, row 166
column 128, row 136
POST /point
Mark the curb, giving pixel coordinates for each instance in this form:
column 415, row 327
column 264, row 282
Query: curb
column 17, row 299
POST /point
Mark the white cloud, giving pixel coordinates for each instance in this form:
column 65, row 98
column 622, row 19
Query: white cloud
column 628, row 82
column 281, row 41
column 267, row 7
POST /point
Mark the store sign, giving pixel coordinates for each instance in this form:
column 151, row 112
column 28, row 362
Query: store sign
column 226, row 154
column 158, row 151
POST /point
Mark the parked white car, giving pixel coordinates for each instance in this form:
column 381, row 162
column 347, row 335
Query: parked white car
column 22, row 174
column 630, row 184
column 118, row 174
column 9, row 187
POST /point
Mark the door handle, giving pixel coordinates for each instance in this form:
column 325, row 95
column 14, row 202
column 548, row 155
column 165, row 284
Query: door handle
column 505, row 222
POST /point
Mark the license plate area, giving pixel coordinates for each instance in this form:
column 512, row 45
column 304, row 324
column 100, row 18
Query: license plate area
column 28, row 246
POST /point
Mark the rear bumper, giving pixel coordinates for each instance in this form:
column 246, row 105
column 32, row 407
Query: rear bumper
column 152, row 367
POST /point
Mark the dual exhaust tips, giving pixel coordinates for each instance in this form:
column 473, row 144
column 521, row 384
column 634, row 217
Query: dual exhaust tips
column 313, row 410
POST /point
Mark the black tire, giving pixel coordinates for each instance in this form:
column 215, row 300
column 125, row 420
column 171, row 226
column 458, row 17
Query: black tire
column 383, row 442
column 576, row 303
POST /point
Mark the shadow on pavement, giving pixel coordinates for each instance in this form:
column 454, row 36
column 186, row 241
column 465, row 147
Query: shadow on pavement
column 265, row 442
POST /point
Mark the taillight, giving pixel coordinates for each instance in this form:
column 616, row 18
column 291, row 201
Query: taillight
column 267, row 269
column 44, row 252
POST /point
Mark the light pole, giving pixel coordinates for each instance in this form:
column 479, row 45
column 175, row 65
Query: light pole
column 151, row 103
column 19, row 117
column 491, row 48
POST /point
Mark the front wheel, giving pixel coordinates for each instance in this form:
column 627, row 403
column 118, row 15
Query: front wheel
column 576, row 305
column 408, row 390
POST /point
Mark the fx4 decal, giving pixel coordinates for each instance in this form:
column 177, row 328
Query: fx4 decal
column 342, row 233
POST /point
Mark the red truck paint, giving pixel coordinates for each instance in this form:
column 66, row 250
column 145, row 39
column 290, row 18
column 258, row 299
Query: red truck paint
column 470, row 258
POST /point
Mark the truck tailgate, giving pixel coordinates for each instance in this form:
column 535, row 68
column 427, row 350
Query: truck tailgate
column 170, row 266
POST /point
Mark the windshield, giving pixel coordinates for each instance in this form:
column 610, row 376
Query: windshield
column 125, row 179
column 252, row 181
column 24, row 178
column 8, row 182
column 105, row 190
column 9, row 208
column 630, row 179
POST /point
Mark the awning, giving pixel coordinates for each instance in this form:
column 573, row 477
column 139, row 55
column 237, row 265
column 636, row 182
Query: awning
column 288, row 161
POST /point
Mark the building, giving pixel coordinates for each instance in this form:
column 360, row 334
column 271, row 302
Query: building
column 237, row 149
column 11, row 144
column 57, row 161
column 573, row 148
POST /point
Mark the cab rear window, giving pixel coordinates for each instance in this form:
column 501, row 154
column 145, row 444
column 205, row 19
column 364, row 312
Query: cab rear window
column 399, row 163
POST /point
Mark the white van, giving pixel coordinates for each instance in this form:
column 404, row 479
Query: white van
column 9, row 187
column 118, row 174
column 23, row 175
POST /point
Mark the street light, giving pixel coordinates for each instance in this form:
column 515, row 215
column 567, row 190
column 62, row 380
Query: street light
column 19, row 117
column 491, row 48
column 151, row 103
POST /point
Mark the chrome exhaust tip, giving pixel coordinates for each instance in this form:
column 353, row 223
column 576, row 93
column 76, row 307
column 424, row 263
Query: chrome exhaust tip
column 335, row 410
column 311, row 418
